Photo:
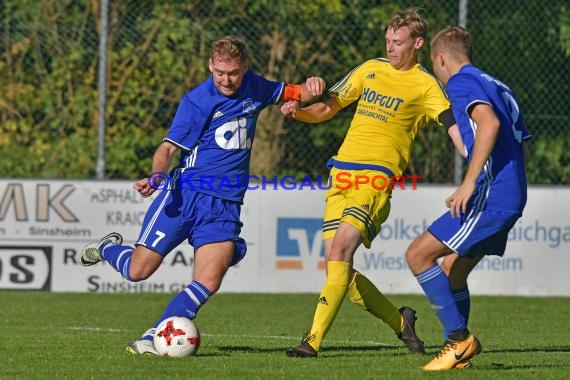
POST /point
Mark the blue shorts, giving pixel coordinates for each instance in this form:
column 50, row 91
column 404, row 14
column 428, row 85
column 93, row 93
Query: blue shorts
column 177, row 215
column 478, row 233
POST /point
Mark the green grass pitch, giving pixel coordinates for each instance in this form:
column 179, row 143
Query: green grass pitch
column 244, row 336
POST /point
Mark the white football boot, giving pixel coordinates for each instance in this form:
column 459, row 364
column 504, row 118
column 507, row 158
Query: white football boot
column 143, row 346
column 90, row 254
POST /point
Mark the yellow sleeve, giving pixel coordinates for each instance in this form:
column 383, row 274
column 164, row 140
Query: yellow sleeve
column 436, row 100
column 349, row 88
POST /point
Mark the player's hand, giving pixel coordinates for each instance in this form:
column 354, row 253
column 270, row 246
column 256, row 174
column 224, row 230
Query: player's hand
column 289, row 109
column 457, row 202
column 315, row 85
column 144, row 188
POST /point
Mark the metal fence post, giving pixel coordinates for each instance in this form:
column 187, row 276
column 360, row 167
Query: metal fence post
column 102, row 89
column 458, row 161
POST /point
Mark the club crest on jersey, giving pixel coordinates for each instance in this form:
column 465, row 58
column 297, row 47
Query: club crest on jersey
column 345, row 91
column 217, row 114
column 248, row 107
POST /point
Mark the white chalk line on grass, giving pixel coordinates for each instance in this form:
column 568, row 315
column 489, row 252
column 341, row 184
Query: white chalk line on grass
column 235, row 336
column 96, row 329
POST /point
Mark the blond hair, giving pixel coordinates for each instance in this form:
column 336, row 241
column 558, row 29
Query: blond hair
column 413, row 20
column 229, row 47
column 453, row 40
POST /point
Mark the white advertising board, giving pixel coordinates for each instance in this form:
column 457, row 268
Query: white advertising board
column 44, row 224
column 538, row 251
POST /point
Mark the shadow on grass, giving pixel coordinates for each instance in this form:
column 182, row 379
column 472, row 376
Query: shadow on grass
column 549, row 349
column 334, row 352
column 328, row 350
column 511, row 367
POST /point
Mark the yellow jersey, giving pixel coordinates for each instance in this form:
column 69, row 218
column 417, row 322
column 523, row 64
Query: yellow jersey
column 392, row 107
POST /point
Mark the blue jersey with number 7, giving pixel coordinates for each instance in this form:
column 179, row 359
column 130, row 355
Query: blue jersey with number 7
column 502, row 183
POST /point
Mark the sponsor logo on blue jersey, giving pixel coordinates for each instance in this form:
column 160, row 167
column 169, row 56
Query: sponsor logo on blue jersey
column 248, row 107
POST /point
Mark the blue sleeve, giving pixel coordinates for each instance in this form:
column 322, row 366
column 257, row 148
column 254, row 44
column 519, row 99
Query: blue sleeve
column 271, row 91
column 187, row 126
column 465, row 91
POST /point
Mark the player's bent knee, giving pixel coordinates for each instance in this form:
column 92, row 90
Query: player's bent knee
column 144, row 263
column 413, row 258
column 410, row 254
column 137, row 277
column 137, row 274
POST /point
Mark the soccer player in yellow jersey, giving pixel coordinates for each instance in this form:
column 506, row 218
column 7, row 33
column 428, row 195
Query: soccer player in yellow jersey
column 396, row 98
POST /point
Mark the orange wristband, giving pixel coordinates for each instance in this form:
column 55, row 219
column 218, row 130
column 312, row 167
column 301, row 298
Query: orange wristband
column 292, row 92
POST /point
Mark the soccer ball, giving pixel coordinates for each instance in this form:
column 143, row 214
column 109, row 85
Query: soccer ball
column 177, row 337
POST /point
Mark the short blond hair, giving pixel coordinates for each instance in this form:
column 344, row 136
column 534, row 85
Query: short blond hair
column 453, row 40
column 229, row 47
column 413, row 20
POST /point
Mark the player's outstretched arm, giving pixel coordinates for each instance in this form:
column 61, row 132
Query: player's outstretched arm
column 314, row 113
column 312, row 89
column 161, row 162
column 306, row 92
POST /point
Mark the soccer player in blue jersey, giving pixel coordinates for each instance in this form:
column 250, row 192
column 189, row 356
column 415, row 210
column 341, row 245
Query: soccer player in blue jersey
column 213, row 129
column 484, row 207
column 396, row 98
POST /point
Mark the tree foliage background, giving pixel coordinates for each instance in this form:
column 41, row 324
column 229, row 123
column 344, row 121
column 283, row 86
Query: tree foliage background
column 157, row 51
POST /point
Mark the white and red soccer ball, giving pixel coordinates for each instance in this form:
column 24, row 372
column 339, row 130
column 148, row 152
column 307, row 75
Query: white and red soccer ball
column 177, row 337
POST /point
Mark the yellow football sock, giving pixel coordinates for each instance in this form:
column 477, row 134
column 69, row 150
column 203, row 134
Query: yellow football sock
column 330, row 299
column 365, row 294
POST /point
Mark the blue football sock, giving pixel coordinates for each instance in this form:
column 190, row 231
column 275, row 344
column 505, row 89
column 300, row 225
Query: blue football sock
column 463, row 302
column 119, row 257
column 435, row 285
column 186, row 303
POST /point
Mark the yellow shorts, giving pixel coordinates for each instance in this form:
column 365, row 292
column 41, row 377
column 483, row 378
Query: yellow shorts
column 360, row 198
